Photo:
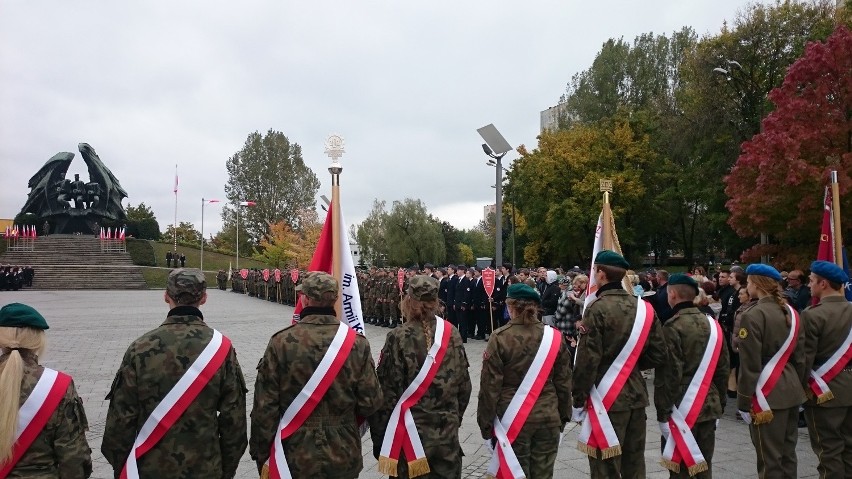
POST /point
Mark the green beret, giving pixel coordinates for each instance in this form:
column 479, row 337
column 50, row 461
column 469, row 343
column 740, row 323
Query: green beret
column 611, row 258
column 523, row 291
column 17, row 315
column 680, row 278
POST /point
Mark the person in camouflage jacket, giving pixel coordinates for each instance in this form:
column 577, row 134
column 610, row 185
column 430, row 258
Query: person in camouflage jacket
column 209, row 439
column 438, row 414
column 328, row 444
column 60, row 449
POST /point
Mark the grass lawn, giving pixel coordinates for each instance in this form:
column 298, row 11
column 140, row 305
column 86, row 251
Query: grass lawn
column 157, row 277
column 213, row 262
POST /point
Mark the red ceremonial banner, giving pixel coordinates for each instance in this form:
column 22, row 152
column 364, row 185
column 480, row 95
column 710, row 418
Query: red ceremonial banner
column 277, row 275
column 488, row 280
column 244, row 273
column 266, row 274
column 400, row 278
column 294, row 275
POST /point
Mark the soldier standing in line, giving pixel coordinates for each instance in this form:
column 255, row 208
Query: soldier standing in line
column 828, row 339
column 462, row 303
column 59, row 447
column 509, row 358
column 688, row 335
column 327, row 442
column 771, row 339
column 209, row 437
column 169, row 259
column 604, row 332
column 438, row 412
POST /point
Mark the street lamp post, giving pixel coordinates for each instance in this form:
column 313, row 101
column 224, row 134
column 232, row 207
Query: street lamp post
column 201, row 261
column 512, row 200
column 496, row 147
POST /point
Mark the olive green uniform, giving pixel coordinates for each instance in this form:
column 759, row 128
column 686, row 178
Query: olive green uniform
column 328, row 444
column 764, row 328
column 687, row 334
column 439, row 412
column 508, row 356
column 603, row 333
column 60, row 449
column 209, row 438
column 827, row 326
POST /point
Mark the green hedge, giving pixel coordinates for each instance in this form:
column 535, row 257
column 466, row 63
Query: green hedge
column 141, row 252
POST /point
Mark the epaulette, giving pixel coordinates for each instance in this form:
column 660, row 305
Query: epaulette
column 502, row 328
column 285, row 328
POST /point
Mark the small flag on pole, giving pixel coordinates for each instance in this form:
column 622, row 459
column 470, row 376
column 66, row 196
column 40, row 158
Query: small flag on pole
column 247, row 203
column 212, row 201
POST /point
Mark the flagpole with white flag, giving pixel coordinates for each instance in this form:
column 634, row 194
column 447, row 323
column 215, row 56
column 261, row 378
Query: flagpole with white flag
column 174, row 225
column 605, row 239
column 334, row 149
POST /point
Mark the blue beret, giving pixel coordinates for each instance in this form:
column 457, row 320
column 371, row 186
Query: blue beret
column 829, row 271
column 680, row 278
column 17, row 315
column 611, row 258
column 760, row 269
column 523, row 291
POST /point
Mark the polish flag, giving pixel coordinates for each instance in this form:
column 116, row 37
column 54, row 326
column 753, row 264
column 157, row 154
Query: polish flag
column 121, row 234
column 247, row 203
column 212, row 201
column 176, row 181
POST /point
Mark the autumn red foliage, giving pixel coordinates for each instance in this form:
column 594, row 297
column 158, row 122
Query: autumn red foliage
column 777, row 183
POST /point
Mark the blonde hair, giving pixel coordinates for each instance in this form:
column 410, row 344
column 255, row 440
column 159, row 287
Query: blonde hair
column 423, row 311
column 523, row 309
column 771, row 288
column 11, row 376
column 580, row 278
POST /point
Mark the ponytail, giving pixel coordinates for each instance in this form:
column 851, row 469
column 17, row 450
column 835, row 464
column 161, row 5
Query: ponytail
column 11, row 376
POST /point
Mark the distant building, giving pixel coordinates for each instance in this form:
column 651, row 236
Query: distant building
column 488, row 210
column 550, row 117
column 356, row 253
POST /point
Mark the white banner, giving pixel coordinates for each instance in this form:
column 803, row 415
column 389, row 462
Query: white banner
column 352, row 313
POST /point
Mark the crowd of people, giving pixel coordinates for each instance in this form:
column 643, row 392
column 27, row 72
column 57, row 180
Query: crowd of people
column 13, row 278
column 178, row 401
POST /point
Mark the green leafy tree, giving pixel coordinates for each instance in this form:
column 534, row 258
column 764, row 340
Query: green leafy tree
column 413, row 235
column 268, row 170
column 466, row 254
column 370, row 234
column 186, row 234
column 141, row 222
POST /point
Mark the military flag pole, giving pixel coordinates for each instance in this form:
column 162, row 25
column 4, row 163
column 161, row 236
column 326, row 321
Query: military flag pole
column 835, row 211
column 334, row 149
column 174, row 225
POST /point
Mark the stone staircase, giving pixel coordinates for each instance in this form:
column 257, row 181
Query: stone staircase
column 76, row 262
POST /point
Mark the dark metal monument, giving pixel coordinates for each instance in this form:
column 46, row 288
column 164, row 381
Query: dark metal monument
column 75, row 206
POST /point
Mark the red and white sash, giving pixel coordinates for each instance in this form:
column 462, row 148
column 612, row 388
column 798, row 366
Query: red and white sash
column 597, row 432
column 818, row 380
column 307, row 400
column 401, row 432
column 35, row 412
column 760, row 410
column 504, row 463
column 175, row 403
column 681, row 444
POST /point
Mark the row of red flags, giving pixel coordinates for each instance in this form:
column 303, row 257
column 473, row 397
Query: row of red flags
column 110, row 234
column 21, row 231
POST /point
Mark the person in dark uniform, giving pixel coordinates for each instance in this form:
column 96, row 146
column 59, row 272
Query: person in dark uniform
column 182, row 260
column 169, row 259
column 828, row 326
column 452, row 282
column 479, row 306
column 461, row 302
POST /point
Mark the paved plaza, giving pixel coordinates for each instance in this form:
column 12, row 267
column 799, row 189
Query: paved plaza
column 90, row 330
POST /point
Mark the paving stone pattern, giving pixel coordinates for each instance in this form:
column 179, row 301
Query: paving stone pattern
column 90, row 331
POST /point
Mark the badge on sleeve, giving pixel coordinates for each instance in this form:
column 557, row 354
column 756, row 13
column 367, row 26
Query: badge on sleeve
column 743, row 333
column 582, row 329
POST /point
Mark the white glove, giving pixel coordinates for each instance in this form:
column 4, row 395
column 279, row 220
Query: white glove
column 665, row 430
column 717, row 425
column 746, row 416
column 578, row 414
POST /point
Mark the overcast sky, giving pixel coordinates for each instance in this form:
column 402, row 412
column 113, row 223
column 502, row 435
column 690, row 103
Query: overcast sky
column 154, row 84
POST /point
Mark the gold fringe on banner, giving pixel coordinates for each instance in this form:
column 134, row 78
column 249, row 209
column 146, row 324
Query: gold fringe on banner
column 762, row 417
column 264, row 472
column 388, row 466
column 825, row 397
column 418, row 467
column 587, row 449
column 701, row 467
column 611, row 452
column 670, row 465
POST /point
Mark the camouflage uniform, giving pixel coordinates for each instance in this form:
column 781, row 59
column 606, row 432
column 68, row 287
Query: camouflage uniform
column 60, row 450
column 439, row 412
column 328, row 444
column 763, row 330
column 210, row 437
column 604, row 330
column 826, row 326
column 687, row 334
column 508, row 356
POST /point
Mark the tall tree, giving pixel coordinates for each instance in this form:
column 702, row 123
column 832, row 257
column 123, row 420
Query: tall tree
column 141, row 222
column 777, row 184
column 413, row 235
column 370, row 234
column 270, row 171
column 186, row 233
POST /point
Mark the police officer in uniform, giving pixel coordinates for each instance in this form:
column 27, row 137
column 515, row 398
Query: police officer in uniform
column 827, row 326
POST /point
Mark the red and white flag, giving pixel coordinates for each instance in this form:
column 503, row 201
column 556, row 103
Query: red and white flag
column 247, row 203
column 121, row 234
column 321, row 261
column 605, row 239
column 212, row 201
column 176, row 180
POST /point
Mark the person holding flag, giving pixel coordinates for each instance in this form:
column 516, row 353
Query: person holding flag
column 619, row 336
column 828, row 367
column 423, row 371
column 42, row 402
column 321, row 374
column 525, row 391
column 772, row 366
column 689, row 389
